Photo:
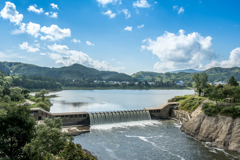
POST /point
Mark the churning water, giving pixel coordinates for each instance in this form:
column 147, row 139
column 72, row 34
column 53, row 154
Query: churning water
column 136, row 140
column 148, row 140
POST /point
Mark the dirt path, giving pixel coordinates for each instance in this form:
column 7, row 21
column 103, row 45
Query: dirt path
column 199, row 109
column 30, row 102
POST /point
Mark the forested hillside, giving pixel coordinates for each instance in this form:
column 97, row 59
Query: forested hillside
column 214, row 75
column 75, row 71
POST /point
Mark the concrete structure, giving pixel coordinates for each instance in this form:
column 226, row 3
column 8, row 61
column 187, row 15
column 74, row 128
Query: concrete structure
column 70, row 118
column 163, row 111
column 168, row 110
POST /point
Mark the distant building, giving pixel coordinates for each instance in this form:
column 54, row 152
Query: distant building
column 151, row 83
column 180, row 83
column 125, row 82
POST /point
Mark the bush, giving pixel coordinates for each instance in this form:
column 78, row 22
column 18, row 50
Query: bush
column 6, row 98
column 43, row 106
column 213, row 110
column 191, row 103
column 210, row 109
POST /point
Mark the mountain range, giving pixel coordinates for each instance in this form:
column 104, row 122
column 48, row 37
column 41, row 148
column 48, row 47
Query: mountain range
column 78, row 71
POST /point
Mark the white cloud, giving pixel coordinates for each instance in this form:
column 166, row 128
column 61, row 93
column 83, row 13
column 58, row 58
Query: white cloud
column 141, row 4
column 233, row 61
column 109, row 13
column 37, row 45
column 58, row 48
column 26, row 46
column 104, row 2
column 141, row 26
column 34, row 9
column 68, row 57
column 54, row 6
column 127, row 13
column 89, row 43
column 54, row 33
column 46, row 13
column 53, row 14
column 128, row 28
column 180, row 51
column 10, row 12
column 76, row 40
column 22, row 29
column 33, row 29
column 180, row 10
column 43, row 54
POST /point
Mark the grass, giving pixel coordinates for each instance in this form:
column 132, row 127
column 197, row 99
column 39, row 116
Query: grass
column 39, row 103
column 188, row 103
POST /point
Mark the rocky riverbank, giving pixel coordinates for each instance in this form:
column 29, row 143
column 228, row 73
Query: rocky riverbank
column 222, row 131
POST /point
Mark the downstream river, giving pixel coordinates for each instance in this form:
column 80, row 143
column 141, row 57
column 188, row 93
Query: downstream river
column 141, row 140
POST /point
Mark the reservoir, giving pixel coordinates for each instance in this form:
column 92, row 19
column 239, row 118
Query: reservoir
column 139, row 140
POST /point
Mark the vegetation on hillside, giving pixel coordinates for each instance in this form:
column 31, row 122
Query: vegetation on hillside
column 75, row 71
column 21, row 138
column 215, row 74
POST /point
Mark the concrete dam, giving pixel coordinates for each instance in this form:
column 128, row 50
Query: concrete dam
column 165, row 111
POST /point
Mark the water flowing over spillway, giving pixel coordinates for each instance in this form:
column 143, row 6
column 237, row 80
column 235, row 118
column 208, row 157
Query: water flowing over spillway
column 118, row 117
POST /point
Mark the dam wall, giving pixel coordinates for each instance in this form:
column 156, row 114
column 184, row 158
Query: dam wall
column 164, row 111
column 69, row 118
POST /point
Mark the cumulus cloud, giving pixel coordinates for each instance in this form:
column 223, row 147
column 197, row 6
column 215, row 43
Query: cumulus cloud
column 53, row 14
column 43, row 54
column 10, row 12
column 76, row 40
column 141, row 26
column 128, row 28
column 127, row 13
column 105, row 2
column 54, row 6
column 180, row 51
column 141, row 4
column 54, row 33
column 89, row 43
column 33, row 29
column 68, row 57
column 109, row 13
column 26, row 46
column 46, row 13
column 58, row 48
column 34, row 9
column 233, row 61
column 22, row 29
column 180, row 10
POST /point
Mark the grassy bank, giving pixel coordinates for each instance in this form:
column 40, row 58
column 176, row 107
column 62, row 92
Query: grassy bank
column 39, row 103
column 188, row 102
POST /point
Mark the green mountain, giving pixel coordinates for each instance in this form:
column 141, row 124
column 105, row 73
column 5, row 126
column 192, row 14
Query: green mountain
column 214, row 75
column 186, row 71
column 75, row 71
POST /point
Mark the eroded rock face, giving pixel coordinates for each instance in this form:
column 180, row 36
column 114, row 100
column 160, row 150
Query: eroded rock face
column 222, row 131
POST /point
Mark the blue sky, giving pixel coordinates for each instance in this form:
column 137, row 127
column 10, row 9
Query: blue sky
column 122, row 35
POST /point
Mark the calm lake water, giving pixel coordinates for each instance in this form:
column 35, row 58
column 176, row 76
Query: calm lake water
column 141, row 140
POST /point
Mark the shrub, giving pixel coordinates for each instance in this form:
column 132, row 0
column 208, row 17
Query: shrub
column 210, row 109
column 6, row 98
column 43, row 106
column 191, row 103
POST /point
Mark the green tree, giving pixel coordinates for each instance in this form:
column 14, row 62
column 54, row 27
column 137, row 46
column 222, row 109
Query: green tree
column 16, row 129
column 200, row 82
column 216, row 94
column 42, row 94
column 73, row 151
column 49, row 139
column 232, row 81
column 16, row 94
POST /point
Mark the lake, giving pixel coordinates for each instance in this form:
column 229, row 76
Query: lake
column 140, row 140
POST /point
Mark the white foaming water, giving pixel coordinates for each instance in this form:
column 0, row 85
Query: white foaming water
column 146, row 140
column 125, row 125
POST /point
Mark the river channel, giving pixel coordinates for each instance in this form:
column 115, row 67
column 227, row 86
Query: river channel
column 141, row 140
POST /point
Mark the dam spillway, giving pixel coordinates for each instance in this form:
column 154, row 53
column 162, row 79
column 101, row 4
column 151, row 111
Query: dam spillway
column 118, row 116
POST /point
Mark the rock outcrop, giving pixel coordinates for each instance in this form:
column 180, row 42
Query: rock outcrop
column 222, row 131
